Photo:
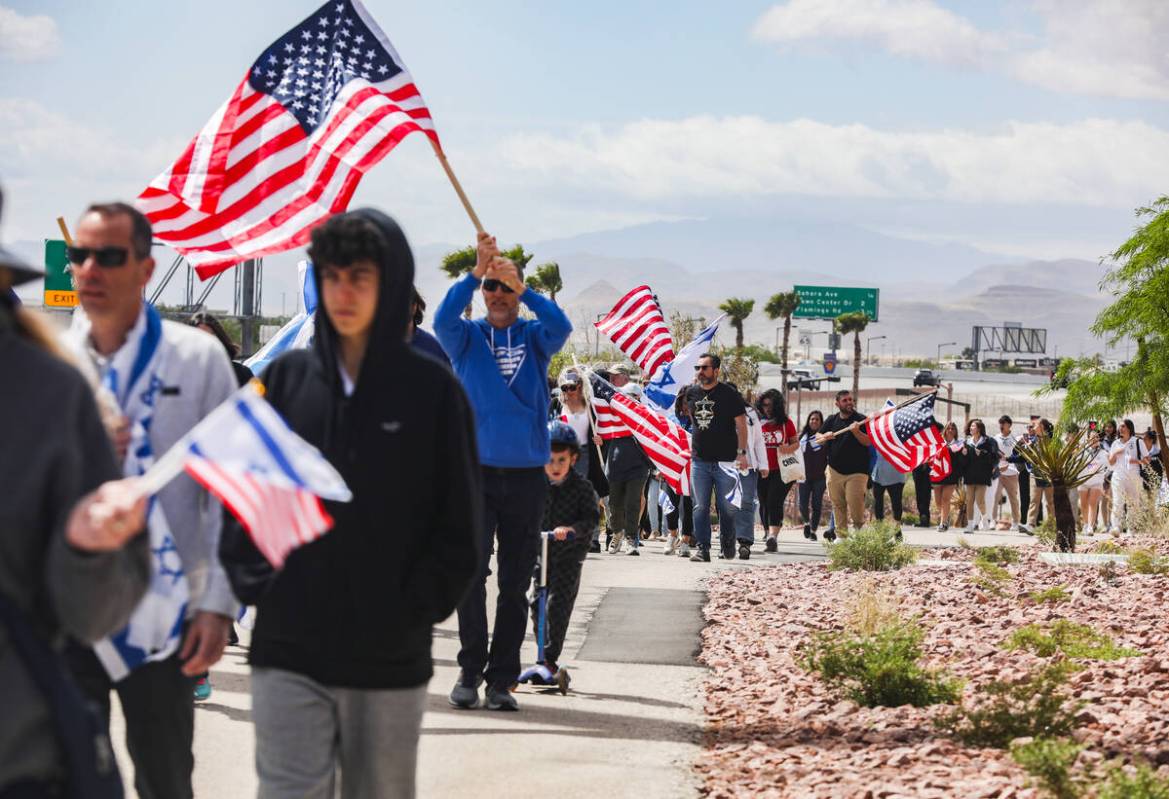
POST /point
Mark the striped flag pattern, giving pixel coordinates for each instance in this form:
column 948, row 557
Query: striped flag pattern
column 664, row 442
column 941, row 465
column 319, row 108
column 907, row 435
column 609, row 424
column 270, row 478
column 638, row 328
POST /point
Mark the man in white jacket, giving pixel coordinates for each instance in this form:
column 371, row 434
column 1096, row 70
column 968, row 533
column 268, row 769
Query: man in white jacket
column 756, row 468
column 165, row 377
column 1008, row 479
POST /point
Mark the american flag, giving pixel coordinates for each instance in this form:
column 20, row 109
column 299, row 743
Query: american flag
column 665, row 443
column 609, row 424
column 906, row 435
column 320, row 107
column 270, row 478
column 639, row 330
column 941, row 465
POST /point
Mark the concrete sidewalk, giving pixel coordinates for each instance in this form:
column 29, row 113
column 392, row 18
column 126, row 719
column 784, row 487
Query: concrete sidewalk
column 630, row 726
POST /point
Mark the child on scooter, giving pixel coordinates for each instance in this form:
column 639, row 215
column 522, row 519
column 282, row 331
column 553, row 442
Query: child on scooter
column 571, row 513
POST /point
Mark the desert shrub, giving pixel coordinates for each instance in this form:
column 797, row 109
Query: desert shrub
column 1150, row 518
column 991, row 577
column 1053, row 595
column 870, row 609
column 872, row 548
column 1066, row 637
column 1146, row 561
column 1107, row 547
column 1035, row 707
column 879, row 670
column 1142, row 783
column 1001, row 555
column 1108, row 571
column 1050, row 762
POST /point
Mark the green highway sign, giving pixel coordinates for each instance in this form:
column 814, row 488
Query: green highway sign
column 829, row 302
column 59, row 292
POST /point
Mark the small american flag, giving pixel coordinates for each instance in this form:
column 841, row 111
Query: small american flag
column 941, row 465
column 906, row 435
column 320, row 107
column 638, row 328
column 664, row 442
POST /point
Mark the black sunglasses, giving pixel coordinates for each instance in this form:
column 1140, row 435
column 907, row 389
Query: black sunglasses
column 106, row 257
column 702, row 366
column 570, row 387
column 491, row 284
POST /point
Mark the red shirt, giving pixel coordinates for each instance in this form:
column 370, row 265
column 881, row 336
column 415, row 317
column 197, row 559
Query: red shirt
column 775, row 434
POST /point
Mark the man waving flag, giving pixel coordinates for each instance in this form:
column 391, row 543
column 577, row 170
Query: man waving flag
column 320, row 106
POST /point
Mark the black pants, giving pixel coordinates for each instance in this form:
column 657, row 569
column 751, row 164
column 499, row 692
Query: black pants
column 1024, row 492
column 772, row 497
column 565, row 559
column 894, row 491
column 513, row 508
column 922, row 488
column 811, row 501
column 158, row 701
column 625, row 507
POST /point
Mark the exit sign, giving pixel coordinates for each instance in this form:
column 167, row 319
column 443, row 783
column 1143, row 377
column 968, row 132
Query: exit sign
column 59, row 291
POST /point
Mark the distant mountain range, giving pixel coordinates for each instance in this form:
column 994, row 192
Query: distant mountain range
column 930, row 293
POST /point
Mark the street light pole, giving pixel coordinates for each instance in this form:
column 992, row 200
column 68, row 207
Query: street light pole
column 868, row 341
column 947, row 344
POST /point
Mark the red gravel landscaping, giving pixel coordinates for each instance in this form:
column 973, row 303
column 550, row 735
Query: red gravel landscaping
column 774, row 730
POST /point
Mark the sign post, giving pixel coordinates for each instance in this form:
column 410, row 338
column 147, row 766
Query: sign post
column 59, row 291
column 829, row 302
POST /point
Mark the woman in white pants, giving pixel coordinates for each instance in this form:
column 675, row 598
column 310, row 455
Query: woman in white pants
column 1092, row 491
column 1125, row 459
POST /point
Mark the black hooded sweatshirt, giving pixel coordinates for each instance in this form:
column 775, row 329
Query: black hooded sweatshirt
column 356, row 607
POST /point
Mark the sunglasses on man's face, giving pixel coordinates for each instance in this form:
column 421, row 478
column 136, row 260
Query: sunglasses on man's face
column 105, row 257
column 702, row 366
column 491, row 284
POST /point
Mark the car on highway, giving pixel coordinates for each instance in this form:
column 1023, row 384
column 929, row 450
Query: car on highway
column 926, row 377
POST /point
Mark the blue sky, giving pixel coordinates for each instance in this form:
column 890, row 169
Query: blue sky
column 1024, row 128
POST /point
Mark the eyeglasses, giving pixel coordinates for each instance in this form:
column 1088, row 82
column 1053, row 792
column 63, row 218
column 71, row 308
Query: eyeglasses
column 702, row 366
column 106, row 257
column 570, row 387
column 491, row 284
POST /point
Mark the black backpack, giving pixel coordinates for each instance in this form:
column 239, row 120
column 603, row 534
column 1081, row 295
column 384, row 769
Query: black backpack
column 89, row 756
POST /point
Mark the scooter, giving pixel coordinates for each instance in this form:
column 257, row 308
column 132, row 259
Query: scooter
column 540, row 674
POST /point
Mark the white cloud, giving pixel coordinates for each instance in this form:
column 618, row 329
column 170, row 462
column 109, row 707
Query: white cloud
column 31, row 38
column 1093, row 162
column 1095, row 47
column 916, row 28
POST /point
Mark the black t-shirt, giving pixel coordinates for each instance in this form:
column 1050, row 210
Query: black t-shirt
column 714, row 413
column 846, row 455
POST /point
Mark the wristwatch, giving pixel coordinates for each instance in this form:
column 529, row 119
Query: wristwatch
column 741, row 452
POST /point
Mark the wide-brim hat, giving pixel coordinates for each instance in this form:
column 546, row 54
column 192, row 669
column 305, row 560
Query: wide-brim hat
column 22, row 270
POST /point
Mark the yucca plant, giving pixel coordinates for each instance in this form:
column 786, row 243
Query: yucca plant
column 1064, row 464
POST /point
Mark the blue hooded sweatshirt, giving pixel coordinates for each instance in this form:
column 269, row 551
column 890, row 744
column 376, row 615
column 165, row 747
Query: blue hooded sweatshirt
column 505, row 373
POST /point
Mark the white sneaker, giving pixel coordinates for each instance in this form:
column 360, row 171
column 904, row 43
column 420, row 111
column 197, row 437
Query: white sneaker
column 969, row 528
column 1087, row 529
column 1114, row 531
column 684, row 550
column 615, row 544
column 671, row 545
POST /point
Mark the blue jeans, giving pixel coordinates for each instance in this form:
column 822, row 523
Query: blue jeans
column 706, row 476
column 745, row 515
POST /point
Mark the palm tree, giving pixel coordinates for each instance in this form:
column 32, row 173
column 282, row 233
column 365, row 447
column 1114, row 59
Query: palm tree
column 737, row 309
column 854, row 322
column 783, row 305
column 459, row 262
column 546, row 280
column 1064, row 464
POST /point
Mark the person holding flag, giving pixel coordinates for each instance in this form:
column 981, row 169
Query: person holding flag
column 165, row 377
column 341, row 649
column 502, row 361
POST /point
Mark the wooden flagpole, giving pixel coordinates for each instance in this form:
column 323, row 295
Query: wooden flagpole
column 64, row 231
column 450, row 173
column 822, row 437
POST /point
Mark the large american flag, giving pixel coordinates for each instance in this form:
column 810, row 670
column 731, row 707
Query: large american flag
column 941, row 465
column 906, row 435
column 323, row 104
column 638, row 328
column 664, row 442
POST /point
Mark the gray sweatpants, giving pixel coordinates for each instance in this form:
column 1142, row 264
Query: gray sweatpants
column 307, row 732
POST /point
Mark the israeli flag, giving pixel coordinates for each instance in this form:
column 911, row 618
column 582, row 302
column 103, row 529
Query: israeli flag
column 298, row 333
column 663, row 387
column 735, row 497
column 664, row 502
